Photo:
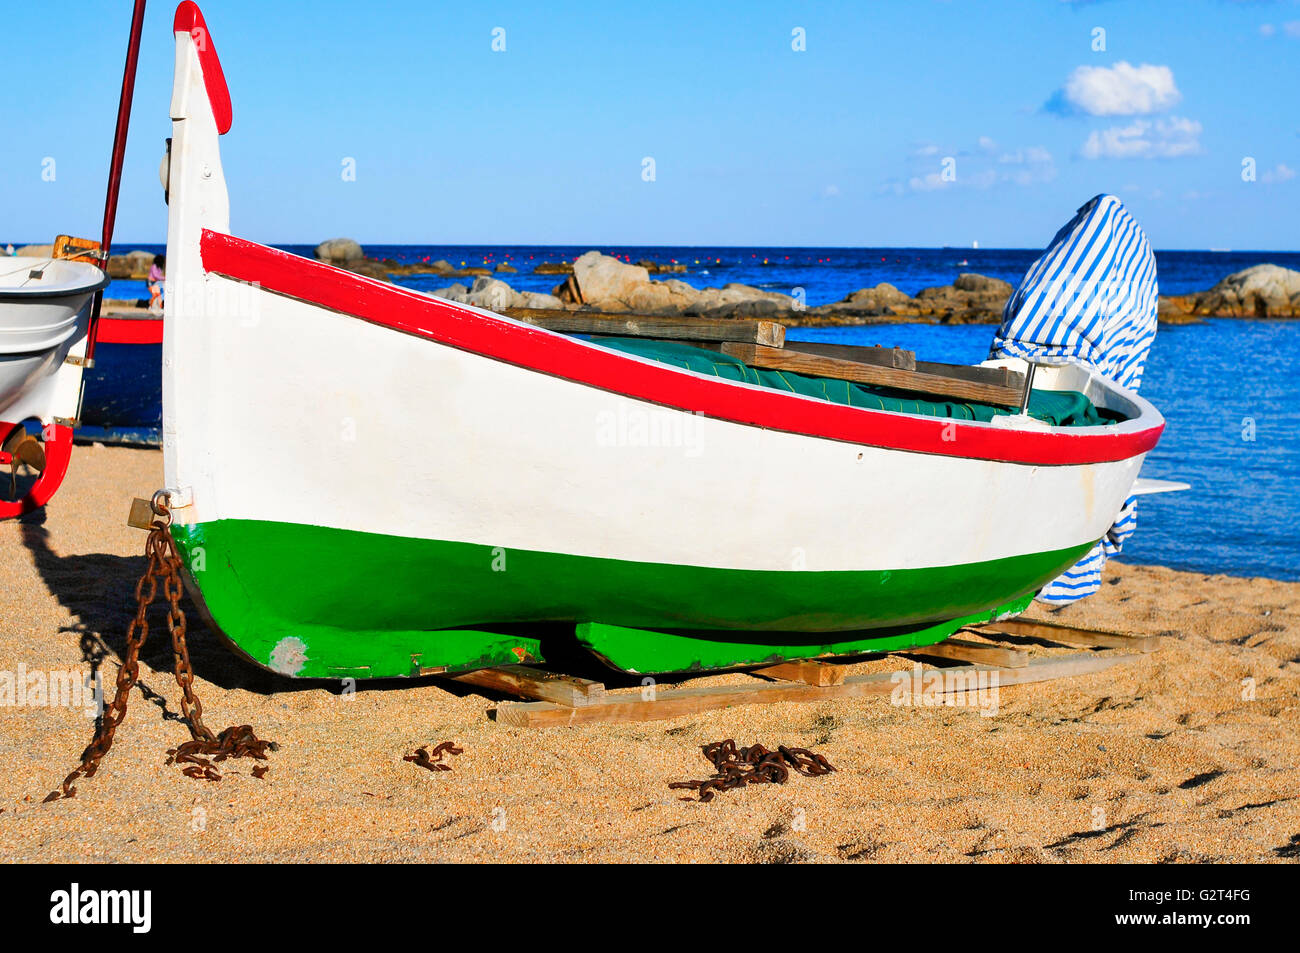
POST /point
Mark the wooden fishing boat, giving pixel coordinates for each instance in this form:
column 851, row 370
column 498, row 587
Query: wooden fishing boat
column 366, row 481
column 45, row 308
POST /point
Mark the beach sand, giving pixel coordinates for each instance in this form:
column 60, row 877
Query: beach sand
column 1165, row 759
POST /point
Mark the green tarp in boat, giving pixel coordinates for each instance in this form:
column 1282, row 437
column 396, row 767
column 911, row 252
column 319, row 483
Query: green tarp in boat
column 1060, row 408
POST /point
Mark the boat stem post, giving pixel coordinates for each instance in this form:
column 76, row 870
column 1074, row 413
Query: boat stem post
column 115, row 165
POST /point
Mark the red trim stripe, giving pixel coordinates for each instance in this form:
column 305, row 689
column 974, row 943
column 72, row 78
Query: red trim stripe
column 189, row 19
column 536, row 349
column 130, row 330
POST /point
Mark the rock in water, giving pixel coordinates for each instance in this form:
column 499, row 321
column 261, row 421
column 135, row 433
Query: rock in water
column 983, row 284
column 1263, row 291
column 495, row 295
column 35, row 251
column 606, row 282
column 336, row 251
column 491, row 293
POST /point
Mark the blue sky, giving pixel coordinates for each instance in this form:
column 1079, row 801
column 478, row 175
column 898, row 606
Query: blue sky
column 923, row 123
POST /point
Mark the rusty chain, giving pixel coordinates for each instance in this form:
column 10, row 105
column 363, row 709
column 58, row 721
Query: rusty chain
column 737, row 767
column 432, row 760
column 203, row 748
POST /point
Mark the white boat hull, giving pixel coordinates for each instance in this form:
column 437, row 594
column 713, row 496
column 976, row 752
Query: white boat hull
column 359, row 472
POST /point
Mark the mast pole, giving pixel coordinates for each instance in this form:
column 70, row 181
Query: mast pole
column 115, row 166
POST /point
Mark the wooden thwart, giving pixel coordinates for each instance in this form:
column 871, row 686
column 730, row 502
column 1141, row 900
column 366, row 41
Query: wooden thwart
column 762, row 344
column 784, row 359
column 530, row 682
column 669, row 702
column 1072, row 635
column 881, row 356
column 767, row 333
column 903, row 360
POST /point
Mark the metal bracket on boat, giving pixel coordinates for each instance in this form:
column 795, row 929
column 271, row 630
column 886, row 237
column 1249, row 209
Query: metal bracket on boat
column 70, row 422
column 159, row 506
column 80, row 249
column 79, row 361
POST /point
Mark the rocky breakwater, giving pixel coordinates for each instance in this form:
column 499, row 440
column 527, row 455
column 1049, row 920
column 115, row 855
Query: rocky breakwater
column 651, row 267
column 347, row 253
column 604, row 283
column 1263, row 291
column 971, row 299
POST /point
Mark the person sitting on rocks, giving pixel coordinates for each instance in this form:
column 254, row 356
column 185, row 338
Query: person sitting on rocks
column 156, row 276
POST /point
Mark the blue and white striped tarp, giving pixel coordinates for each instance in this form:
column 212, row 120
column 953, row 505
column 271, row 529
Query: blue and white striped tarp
column 1091, row 298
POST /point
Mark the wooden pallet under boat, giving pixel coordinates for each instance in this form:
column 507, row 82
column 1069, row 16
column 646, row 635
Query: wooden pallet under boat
column 371, row 482
column 1007, row 653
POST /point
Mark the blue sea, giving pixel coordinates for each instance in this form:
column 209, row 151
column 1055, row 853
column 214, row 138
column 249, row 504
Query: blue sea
column 1227, row 388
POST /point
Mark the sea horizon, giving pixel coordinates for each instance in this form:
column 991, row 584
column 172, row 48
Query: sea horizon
column 825, row 273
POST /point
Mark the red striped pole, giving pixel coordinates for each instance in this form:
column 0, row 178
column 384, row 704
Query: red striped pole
column 115, row 166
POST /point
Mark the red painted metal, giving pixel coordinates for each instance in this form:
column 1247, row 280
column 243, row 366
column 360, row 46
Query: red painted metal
column 189, row 19
column 58, row 451
column 408, row 311
column 130, row 330
column 115, row 164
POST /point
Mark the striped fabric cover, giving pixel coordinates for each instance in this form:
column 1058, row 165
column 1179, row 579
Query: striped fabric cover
column 1090, row 298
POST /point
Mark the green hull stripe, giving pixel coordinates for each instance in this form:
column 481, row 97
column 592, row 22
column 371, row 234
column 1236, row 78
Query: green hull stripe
column 637, row 650
column 368, row 605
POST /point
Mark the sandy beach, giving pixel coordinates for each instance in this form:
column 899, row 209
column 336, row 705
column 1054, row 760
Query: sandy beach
column 1174, row 758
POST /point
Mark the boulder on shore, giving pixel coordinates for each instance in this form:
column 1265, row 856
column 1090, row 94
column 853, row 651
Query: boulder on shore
column 134, row 265
column 495, row 295
column 1263, row 291
column 339, row 251
column 971, row 299
column 606, row 282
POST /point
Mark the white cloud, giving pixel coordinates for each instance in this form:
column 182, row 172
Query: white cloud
column 1292, row 28
column 1267, row 29
column 1279, row 173
column 928, row 182
column 1119, row 90
column 1145, row 139
column 981, row 168
column 1031, row 155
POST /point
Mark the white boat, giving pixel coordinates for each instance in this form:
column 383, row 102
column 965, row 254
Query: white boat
column 367, row 481
column 44, row 317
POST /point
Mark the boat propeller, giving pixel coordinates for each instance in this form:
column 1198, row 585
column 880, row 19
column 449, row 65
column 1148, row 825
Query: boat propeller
column 20, row 447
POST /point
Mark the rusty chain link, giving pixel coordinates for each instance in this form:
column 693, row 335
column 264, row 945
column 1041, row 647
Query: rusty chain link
column 737, row 767
column 204, row 748
column 432, row 760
